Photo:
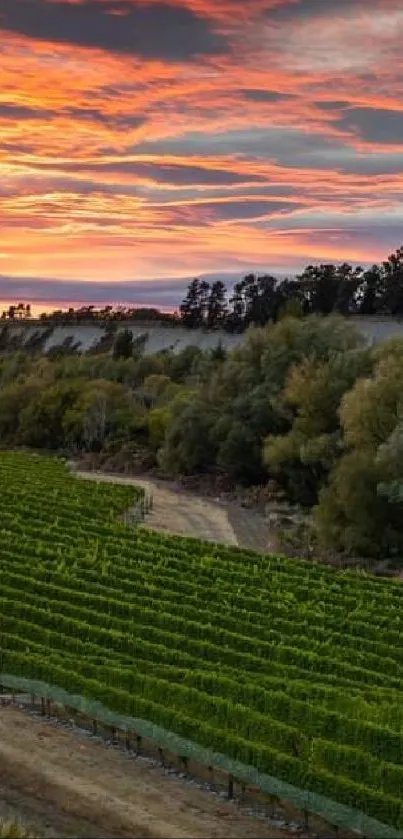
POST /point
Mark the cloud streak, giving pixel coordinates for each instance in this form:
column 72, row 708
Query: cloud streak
column 158, row 31
column 142, row 139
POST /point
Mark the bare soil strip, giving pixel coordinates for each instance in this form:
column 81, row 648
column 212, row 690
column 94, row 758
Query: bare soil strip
column 174, row 512
column 65, row 784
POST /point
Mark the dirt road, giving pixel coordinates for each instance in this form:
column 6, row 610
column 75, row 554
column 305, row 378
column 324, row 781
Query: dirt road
column 63, row 784
column 177, row 513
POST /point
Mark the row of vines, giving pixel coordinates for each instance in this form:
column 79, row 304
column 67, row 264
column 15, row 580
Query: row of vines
column 288, row 666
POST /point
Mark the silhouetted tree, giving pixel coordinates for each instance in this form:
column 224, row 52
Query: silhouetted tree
column 235, row 318
column 265, row 300
column 393, row 283
column 191, row 310
column 320, row 285
column 204, row 297
column 349, row 280
column 217, row 305
column 371, row 292
column 291, row 292
column 330, row 288
column 255, row 301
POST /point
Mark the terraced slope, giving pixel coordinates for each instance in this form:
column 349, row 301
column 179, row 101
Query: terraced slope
column 290, row 667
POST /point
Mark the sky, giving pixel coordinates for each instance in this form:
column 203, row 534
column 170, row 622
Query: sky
column 144, row 142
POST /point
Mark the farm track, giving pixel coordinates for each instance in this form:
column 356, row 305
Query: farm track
column 181, row 512
column 63, row 784
column 176, row 513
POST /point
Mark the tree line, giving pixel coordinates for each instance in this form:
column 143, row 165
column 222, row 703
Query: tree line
column 319, row 289
column 304, row 403
column 259, row 299
column 90, row 313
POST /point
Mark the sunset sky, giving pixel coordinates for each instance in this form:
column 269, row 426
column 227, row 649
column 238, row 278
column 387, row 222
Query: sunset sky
column 146, row 141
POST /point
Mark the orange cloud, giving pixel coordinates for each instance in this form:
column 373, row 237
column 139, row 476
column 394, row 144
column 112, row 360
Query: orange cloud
column 276, row 144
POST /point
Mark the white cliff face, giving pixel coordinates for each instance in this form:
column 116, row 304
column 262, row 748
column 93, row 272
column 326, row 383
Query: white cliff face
column 378, row 329
column 85, row 336
column 157, row 338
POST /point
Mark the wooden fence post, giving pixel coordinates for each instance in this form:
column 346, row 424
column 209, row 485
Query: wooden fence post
column 42, row 706
column 230, row 787
column 138, row 744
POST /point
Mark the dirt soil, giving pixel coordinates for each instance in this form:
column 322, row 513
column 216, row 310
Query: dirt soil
column 176, row 510
column 64, row 784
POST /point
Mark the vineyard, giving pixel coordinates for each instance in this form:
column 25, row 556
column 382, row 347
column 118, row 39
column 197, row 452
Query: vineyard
column 289, row 667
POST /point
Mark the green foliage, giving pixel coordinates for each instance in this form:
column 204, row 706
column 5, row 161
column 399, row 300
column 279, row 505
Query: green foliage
column 389, row 458
column 218, row 353
column 187, row 447
column 369, row 411
column 15, row 397
column 103, row 410
column 350, row 516
column 361, row 510
column 293, row 308
column 124, row 345
column 303, row 457
column 14, row 830
column 41, row 420
column 242, row 403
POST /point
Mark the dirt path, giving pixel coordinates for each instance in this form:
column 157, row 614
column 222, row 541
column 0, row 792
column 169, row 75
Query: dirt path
column 63, row 784
column 251, row 529
column 174, row 512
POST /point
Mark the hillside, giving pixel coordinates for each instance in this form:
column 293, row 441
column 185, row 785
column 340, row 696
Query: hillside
column 287, row 675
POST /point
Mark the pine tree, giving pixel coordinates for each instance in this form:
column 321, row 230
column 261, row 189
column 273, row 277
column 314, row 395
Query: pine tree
column 217, row 306
column 204, row 297
column 393, row 280
column 235, row 318
column 371, row 292
column 191, row 309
